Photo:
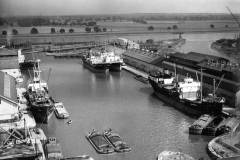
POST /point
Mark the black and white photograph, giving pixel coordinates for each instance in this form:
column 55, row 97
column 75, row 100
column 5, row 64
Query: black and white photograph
column 119, row 79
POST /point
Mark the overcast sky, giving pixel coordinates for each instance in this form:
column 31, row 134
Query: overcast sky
column 69, row 7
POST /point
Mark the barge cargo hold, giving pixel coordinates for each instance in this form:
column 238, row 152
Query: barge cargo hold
column 211, row 128
column 116, row 141
column 198, row 126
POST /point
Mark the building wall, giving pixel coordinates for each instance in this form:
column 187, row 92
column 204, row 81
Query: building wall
column 8, row 86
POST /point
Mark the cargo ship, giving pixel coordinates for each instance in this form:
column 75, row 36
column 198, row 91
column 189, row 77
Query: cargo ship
column 100, row 61
column 225, row 72
column 39, row 101
column 185, row 95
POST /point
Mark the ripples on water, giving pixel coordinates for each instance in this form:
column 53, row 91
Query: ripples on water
column 118, row 101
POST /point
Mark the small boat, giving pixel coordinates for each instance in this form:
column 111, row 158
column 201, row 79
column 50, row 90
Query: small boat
column 141, row 79
column 211, row 128
column 99, row 143
column 170, row 155
column 200, row 123
column 53, row 149
column 69, row 122
column 60, row 111
column 116, row 141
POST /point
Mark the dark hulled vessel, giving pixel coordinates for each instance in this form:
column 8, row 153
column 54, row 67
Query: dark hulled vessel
column 225, row 72
column 39, row 101
column 184, row 95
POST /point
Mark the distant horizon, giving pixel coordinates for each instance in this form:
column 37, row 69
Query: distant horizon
column 10, row 8
column 112, row 14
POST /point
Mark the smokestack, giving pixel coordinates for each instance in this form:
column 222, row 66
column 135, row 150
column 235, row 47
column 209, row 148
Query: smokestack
column 21, row 57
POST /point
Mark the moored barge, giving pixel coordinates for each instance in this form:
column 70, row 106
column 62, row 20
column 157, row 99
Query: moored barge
column 116, row 141
column 198, row 126
column 99, row 143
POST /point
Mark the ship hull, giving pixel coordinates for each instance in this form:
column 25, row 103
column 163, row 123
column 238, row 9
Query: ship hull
column 27, row 65
column 42, row 111
column 192, row 108
column 226, row 88
column 115, row 67
column 42, row 114
column 101, row 68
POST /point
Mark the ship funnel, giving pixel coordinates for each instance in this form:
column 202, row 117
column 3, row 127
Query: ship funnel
column 166, row 71
column 19, row 52
column 21, row 57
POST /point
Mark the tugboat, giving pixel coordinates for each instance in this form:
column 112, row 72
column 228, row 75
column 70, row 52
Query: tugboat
column 116, row 141
column 184, row 95
column 99, row 143
column 39, row 101
column 101, row 61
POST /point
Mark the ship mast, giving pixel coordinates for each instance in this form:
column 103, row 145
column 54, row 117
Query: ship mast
column 201, row 85
column 37, row 76
column 214, row 89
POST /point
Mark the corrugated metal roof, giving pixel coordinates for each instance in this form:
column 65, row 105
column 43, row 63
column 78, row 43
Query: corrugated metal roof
column 8, row 86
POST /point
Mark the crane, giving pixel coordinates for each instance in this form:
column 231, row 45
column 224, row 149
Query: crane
column 234, row 17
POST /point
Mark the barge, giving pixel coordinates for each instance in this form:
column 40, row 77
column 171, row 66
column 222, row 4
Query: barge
column 211, row 128
column 99, row 143
column 116, row 141
column 202, row 122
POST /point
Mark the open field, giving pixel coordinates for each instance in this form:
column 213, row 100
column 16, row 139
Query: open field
column 118, row 29
column 129, row 26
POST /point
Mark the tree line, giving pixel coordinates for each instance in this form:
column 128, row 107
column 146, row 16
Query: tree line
column 62, row 30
